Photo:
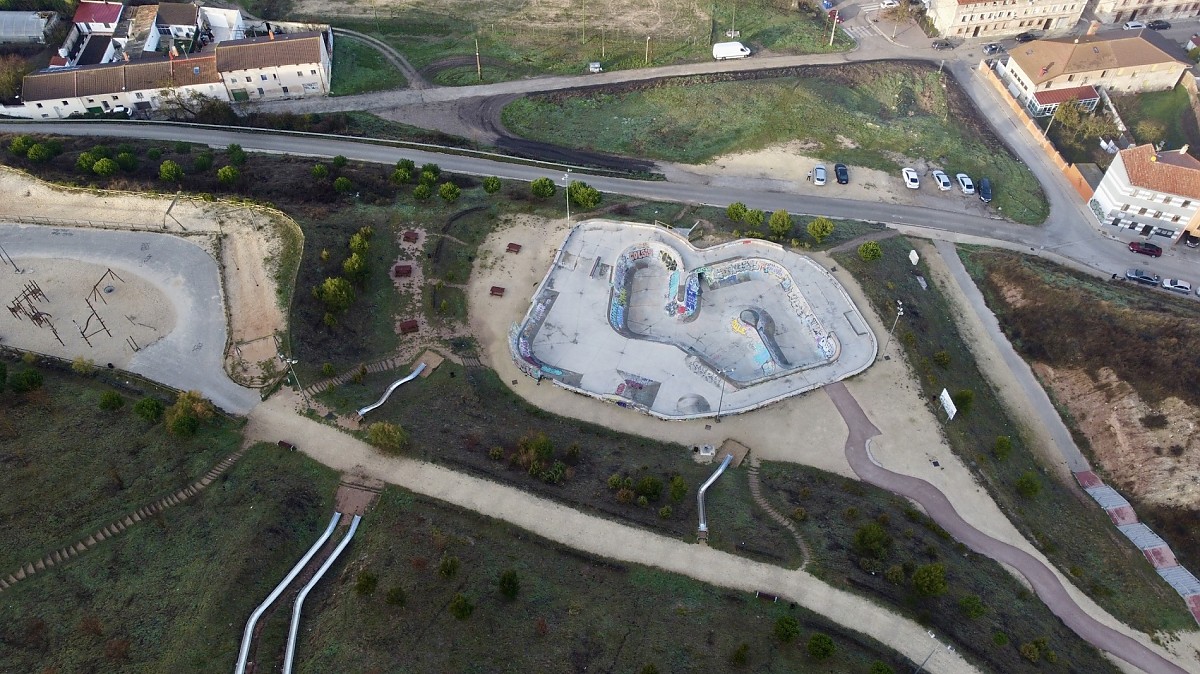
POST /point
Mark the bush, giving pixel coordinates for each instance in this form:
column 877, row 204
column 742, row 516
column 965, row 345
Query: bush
column 649, row 487
column 20, row 145
column 679, row 488
column 396, row 596
column 153, row 154
column 736, row 211
column 26, row 381
column 364, row 583
column 105, row 167
column 422, row 192
column 40, row 153
column 449, row 192
column 972, row 606
column 184, row 416
column 665, row 512
column 149, row 408
column 461, row 607
column 787, row 628
column 800, row 514
column 1028, row 485
column 128, row 161
column 170, row 172
column 228, row 175
column 1030, row 652
column 85, row 162
column 821, row 646
column 820, row 229
column 870, row 251
column 184, row 426
column 342, row 185
column 543, row 188
column 336, row 293
column 625, row 496
column 740, row 655
column 401, row 176
column 407, row 164
column 1000, row 639
column 510, row 584
column 780, row 224
column 491, row 184
column 202, row 162
column 930, row 580
column 236, row 155
column 183, row 147
column 320, row 171
column 872, row 540
column 327, row 370
column 111, row 401
column 448, row 567
column 340, row 161
column 894, row 574
column 428, row 178
column 1002, row 448
column 755, row 217
column 433, row 169
column 942, row 359
column 615, row 480
column 387, row 436
column 84, row 367
column 878, row 667
column 583, row 195
column 963, row 399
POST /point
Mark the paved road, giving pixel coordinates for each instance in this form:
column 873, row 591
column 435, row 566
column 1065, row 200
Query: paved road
column 192, row 355
column 938, row 507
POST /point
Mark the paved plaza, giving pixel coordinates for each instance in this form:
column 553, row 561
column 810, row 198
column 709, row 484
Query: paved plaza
column 635, row 315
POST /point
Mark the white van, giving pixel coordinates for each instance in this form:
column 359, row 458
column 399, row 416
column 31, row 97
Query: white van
column 1133, row 25
column 730, row 50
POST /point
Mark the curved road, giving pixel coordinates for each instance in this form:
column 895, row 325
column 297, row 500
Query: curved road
column 935, row 503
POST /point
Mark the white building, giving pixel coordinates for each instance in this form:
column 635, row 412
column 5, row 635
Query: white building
column 1120, row 11
column 1003, row 18
column 1156, row 192
column 291, row 65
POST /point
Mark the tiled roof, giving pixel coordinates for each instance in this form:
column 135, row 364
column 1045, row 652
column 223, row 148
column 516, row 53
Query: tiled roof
column 1063, row 95
column 1173, row 172
column 1044, row 60
column 99, row 81
column 97, row 12
column 145, row 74
column 48, row 86
column 177, row 14
column 261, row 52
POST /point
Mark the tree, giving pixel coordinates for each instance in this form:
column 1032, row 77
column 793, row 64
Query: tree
column 1028, row 485
column 872, row 540
column 820, row 229
column 170, row 172
column 105, row 167
column 40, row 153
column 180, row 105
column 228, row 175
column 787, row 628
column 336, row 293
column 20, row 145
column 870, row 251
column 150, row 409
column 461, row 607
column 1150, row 131
column 821, row 646
column 963, row 399
column 491, row 184
column 449, row 192
column 401, row 176
column 183, row 418
column 360, row 242
column 510, row 584
column 972, row 606
column 422, row 192
column 780, row 224
column 387, row 436
column 679, row 488
column 236, row 155
column 342, row 185
column 583, row 195
column 543, row 188
column 930, row 580
column 365, row 583
column 754, row 217
column 1002, row 448
column 320, row 171
column 13, row 69
column 128, row 161
column 340, row 161
column 202, row 162
column 736, row 211
column 650, row 487
column 355, row 267
column 110, row 401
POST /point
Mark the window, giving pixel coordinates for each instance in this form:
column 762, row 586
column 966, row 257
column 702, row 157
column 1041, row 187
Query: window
column 1175, row 219
column 195, row 70
column 1124, row 208
column 91, row 100
column 114, row 98
column 285, row 90
column 1157, row 214
column 64, row 102
column 262, row 77
column 314, row 72
column 40, row 105
column 1141, row 211
column 299, row 73
column 260, row 93
column 1185, row 204
column 1167, row 200
column 247, row 79
column 139, row 95
column 44, row 115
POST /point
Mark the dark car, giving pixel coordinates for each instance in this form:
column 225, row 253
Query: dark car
column 1191, row 241
column 1145, row 248
column 1140, row 276
column 1159, row 24
column 993, row 48
column 940, row 45
column 984, row 188
column 1026, row 37
column 842, row 173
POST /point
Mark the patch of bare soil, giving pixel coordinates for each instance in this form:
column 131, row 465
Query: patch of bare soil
column 1152, row 452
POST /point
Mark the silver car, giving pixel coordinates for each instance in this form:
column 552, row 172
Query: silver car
column 965, row 184
column 819, row 175
column 1177, row 285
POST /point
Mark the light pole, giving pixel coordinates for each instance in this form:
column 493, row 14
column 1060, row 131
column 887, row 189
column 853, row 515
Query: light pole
column 721, row 400
column 899, row 313
column 567, row 191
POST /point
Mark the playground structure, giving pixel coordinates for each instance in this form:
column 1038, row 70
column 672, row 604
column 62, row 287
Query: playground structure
column 635, row 315
column 703, row 528
column 395, row 385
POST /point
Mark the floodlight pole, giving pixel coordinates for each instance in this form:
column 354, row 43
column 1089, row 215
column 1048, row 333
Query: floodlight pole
column 899, row 313
column 721, row 400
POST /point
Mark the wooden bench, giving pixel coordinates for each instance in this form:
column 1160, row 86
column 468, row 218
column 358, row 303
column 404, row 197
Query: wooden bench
column 497, row 291
column 409, row 326
column 514, row 248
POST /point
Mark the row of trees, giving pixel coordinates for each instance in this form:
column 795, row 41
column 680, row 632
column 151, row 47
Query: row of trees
column 780, row 224
column 579, row 194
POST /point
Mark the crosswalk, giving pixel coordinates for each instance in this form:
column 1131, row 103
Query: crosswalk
column 858, row 32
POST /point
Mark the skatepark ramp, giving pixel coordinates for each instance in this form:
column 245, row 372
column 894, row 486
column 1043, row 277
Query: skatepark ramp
column 248, row 634
column 703, row 488
column 395, row 385
column 295, row 628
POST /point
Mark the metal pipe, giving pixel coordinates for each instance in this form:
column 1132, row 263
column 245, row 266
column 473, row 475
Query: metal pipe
column 704, row 487
column 295, row 628
column 248, row 635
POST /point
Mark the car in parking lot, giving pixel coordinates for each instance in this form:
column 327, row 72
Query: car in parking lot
column 911, row 180
column 1145, row 248
column 1177, row 285
column 819, row 176
column 1191, row 241
column 1025, row 37
column 992, row 48
column 940, row 45
column 942, row 180
column 1159, row 24
column 1133, row 25
column 965, row 184
column 842, row 172
column 1141, row 277
column 985, row 190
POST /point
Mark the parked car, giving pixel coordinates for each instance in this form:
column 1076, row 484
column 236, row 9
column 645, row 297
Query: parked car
column 985, row 190
column 842, row 173
column 1141, row 277
column 888, row 4
column 1145, row 248
column 911, row 180
column 1191, row 241
column 993, row 48
column 965, row 184
column 1159, row 24
column 836, row 16
column 942, row 180
column 1133, row 25
column 819, row 175
column 940, row 45
column 1026, row 37
column 1177, row 285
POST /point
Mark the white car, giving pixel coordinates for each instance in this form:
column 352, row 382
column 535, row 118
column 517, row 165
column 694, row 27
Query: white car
column 819, row 175
column 911, row 180
column 965, row 184
column 888, row 4
column 1133, row 25
column 1177, row 285
column 942, row 180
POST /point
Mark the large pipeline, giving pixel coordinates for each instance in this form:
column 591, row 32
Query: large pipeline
column 704, row 487
column 295, row 628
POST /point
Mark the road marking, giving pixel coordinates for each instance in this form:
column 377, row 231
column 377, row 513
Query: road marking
column 858, row 31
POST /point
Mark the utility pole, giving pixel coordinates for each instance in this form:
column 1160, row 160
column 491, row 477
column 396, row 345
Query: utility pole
column 478, row 64
column 833, row 30
column 601, row 43
column 567, row 191
column 899, row 313
column 647, row 50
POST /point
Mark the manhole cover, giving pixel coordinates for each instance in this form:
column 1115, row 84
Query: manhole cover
column 109, row 289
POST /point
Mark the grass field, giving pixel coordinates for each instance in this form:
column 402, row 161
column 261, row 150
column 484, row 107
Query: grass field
column 359, row 68
column 573, row 612
column 1075, row 535
column 1170, row 110
column 84, row 466
column 836, row 508
column 879, row 116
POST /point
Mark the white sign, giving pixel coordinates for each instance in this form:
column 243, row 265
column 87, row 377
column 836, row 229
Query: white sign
column 947, row 404
column 913, row 257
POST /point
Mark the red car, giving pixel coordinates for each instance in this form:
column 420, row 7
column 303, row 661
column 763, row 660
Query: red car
column 1145, row 248
column 835, row 16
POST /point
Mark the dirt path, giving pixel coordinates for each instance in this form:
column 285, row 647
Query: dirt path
column 415, row 80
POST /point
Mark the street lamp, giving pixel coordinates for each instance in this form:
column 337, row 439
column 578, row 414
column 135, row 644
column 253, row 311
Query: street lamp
column 721, row 400
column 899, row 313
column 567, row 191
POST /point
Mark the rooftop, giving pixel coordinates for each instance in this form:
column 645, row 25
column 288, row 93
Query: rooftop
column 1063, row 95
column 287, row 49
column 23, row 24
column 152, row 72
column 97, row 12
column 178, row 14
column 1174, row 172
column 1044, row 60
column 93, row 52
column 136, row 26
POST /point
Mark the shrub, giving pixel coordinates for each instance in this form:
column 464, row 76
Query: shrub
column 1002, row 448
column 820, row 229
column 184, row 416
column 20, row 145
column 387, row 436
column 736, row 211
column 396, row 596
column 755, row 217
column 1000, row 639
column 963, row 399
column 336, row 293
column 583, row 195
column 625, row 496
column 111, row 401
column 183, row 147
column 342, row 185
column 320, row 171
column 236, row 155
column 40, row 153
column 183, row 425
column 740, row 655
column 448, row 567
column 449, row 192
column 83, row 366
column 930, row 580
column 364, row 583
column 433, row 169
column 105, row 167
column 401, row 176
column 428, row 178
column 510, row 584
column 894, row 574
column 1028, row 485
column 491, row 184
column 327, row 370
column 643, row 501
column 228, row 175
column 202, row 162
column 85, row 162
column 170, row 172
column 543, row 188
column 407, row 164
column 942, row 359
column 872, row 540
column 340, row 161
column 870, row 251
column 26, row 381
column 679, row 488
column 461, row 607
column 615, row 480
column 1030, row 652
column 787, row 628
column 650, row 669
column 821, row 646
column 972, row 606
column 153, row 154
column 149, row 408
column 650, row 487
column 665, row 512
column 496, row 453
column 355, row 267
column 780, row 224
column 128, row 161
column 878, row 667
column 422, row 192
column 800, row 514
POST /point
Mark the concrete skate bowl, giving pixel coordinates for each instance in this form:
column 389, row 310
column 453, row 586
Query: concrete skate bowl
column 743, row 319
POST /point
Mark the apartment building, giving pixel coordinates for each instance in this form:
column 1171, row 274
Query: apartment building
column 294, row 65
column 1120, row 11
column 1158, row 192
column 1003, row 18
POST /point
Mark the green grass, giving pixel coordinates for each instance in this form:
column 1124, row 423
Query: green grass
column 870, row 115
column 359, row 68
column 71, row 467
column 1170, row 109
column 836, row 508
column 1075, row 535
column 574, row 612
